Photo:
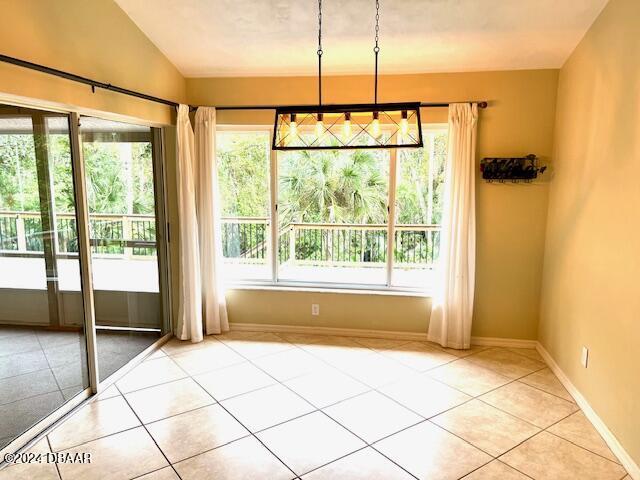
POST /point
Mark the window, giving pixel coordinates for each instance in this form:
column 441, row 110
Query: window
column 243, row 180
column 331, row 210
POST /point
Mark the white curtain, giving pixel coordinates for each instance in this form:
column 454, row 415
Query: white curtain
column 452, row 303
column 214, row 306
column 201, row 294
column 189, row 324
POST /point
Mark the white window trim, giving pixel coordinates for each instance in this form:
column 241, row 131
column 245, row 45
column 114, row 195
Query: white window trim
column 275, row 283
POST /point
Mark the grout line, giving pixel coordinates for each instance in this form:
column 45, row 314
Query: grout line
column 55, row 463
column 149, row 433
column 577, row 445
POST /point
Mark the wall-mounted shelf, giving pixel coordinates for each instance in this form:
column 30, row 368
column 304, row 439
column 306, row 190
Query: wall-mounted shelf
column 514, row 169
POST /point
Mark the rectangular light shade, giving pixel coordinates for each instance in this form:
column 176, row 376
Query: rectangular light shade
column 357, row 126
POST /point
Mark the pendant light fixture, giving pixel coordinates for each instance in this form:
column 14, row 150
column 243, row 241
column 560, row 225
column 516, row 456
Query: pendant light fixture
column 348, row 126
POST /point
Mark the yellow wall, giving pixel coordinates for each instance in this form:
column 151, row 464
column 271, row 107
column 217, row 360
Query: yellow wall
column 511, row 218
column 590, row 293
column 95, row 39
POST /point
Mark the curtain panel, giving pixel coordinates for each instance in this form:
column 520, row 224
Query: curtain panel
column 452, row 303
column 202, row 307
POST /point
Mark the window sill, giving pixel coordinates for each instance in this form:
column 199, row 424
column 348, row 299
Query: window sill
column 347, row 290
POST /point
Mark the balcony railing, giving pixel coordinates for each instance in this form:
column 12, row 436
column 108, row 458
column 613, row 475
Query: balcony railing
column 127, row 236
column 361, row 245
column 244, row 240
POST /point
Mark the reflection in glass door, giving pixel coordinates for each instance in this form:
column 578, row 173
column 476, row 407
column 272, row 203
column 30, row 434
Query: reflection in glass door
column 121, row 184
column 43, row 359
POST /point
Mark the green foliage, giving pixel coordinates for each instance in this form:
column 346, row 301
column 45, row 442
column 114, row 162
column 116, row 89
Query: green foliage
column 108, row 176
column 243, row 171
column 333, row 186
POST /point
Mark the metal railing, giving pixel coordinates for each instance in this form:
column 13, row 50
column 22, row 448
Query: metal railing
column 244, row 240
column 356, row 245
column 128, row 236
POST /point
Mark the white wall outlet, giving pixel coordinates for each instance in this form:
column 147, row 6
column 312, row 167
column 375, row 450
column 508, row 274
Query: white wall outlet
column 584, row 359
column 315, row 309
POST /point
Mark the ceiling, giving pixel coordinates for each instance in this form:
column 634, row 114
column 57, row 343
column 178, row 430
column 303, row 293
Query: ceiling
column 208, row 38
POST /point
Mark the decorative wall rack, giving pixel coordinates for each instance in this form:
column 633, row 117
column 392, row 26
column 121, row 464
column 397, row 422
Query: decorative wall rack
column 514, row 169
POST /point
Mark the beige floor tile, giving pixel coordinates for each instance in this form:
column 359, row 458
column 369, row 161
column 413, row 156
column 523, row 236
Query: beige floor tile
column 289, row 364
column 257, row 346
column 109, row 392
column 211, row 357
column 472, row 379
column 303, row 338
column 424, row 395
column 194, row 432
column 531, row 353
column 372, row 416
column 496, row 470
column 547, row 381
column 326, row 387
column 365, row 464
column 343, row 352
column 308, row 442
column 168, row 399
column 528, row 403
column 157, row 354
column 547, row 457
column 23, row 468
column 236, row 335
column 30, row 471
column 506, row 363
column 235, row 380
column 429, row 452
column 166, row 473
column 380, row 343
column 266, row 407
column 418, row 356
column 175, row 346
column 148, row 374
column 124, row 455
column 244, row 459
column 485, row 427
column 577, row 429
column 376, row 370
column 94, row 420
column 462, row 353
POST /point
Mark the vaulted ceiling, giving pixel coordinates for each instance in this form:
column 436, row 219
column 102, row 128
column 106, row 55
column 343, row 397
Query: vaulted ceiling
column 207, row 38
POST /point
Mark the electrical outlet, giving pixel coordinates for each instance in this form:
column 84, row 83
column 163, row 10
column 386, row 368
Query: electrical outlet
column 584, row 359
column 315, row 309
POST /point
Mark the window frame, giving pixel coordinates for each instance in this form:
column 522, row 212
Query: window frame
column 275, row 283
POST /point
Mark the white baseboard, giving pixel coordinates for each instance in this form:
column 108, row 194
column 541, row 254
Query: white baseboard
column 358, row 332
column 503, row 342
column 625, row 459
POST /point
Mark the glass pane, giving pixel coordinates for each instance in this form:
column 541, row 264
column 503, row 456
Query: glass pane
column 420, row 185
column 332, row 215
column 243, row 180
column 43, row 360
column 122, row 225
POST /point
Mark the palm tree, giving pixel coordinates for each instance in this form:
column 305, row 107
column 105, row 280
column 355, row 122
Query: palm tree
column 334, row 186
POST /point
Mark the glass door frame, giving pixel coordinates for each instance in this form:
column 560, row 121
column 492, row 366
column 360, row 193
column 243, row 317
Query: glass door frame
column 84, row 248
column 84, row 253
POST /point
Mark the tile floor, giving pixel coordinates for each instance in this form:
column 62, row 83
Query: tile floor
column 42, row 369
column 276, row 406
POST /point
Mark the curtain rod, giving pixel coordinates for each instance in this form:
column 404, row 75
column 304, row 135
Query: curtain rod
column 132, row 93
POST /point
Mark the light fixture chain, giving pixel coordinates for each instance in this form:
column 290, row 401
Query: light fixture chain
column 319, row 53
column 376, row 50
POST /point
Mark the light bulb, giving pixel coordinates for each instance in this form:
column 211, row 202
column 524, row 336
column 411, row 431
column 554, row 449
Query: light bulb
column 375, row 125
column 319, row 126
column 293, row 126
column 404, row 124
column 346, row 126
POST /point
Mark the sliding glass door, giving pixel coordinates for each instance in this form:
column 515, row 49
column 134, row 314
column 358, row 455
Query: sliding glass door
column 83, row 273
column 43, row 354
column 122, row 188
